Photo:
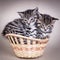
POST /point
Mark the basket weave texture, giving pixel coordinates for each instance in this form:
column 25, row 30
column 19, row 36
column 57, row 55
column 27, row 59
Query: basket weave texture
column 26, row 47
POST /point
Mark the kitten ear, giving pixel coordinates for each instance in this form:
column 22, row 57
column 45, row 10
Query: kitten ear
column 20, row 14
column 53, row 18
column 35, row 10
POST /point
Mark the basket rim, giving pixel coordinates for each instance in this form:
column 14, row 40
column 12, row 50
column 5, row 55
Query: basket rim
column 34, row 39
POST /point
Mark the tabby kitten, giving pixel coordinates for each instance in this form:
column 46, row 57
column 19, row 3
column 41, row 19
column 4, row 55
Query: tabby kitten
column 30, row 17
column 25, row 25
column 45, row 25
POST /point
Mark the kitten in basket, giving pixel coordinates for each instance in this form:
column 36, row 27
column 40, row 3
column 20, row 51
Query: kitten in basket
column 31, row 24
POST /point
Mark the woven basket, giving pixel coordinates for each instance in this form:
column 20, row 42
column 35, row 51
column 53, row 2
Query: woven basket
column 26, row 47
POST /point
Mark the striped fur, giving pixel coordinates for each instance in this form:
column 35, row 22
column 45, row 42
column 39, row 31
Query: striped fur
column 45, row 25
column 25, row 25
column 31, row 24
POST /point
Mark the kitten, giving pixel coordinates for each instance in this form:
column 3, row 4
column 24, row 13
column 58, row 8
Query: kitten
column 25, row 25
column 45, row 25
column 30, row 19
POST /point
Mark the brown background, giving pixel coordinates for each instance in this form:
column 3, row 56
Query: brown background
column 8, row 12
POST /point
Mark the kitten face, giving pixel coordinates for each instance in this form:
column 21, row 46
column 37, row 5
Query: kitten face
column 29, row 16
column 46, row 23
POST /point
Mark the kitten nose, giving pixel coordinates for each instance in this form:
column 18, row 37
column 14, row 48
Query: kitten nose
column 29, row 28
column 28, row 23
column 45, row 29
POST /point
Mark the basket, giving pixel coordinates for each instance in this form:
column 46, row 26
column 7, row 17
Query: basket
column 26, row 47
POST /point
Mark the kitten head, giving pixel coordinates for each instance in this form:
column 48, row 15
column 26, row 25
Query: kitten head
column 46, row 23
column 29, row 16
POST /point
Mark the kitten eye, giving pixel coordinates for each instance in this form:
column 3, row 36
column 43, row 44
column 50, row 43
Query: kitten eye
column 31, row 19
column 48, row 26
column 52, row 25
column 25, row 20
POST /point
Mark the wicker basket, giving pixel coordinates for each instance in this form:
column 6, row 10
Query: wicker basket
column 26, row 47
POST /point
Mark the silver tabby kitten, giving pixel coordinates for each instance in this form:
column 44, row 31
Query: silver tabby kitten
column 26, row 25
column 30, row 18
column 45, row 25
